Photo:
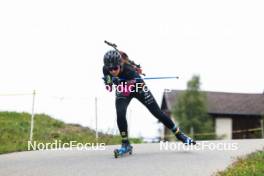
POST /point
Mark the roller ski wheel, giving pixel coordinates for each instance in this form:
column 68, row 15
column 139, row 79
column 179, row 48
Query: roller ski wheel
column 126, row 149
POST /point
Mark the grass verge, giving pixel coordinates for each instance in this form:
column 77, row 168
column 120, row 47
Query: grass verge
column 251, row 165
column 15, row 128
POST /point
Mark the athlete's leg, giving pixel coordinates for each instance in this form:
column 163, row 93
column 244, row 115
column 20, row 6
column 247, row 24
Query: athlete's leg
column 121, row 108
column 147, row 99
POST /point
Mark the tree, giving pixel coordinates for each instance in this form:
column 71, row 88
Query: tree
column 190, row 110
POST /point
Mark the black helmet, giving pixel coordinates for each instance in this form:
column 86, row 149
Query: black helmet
column 112, row 59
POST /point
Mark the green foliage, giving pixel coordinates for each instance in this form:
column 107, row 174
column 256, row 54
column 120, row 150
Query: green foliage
column 191, row 110
column 15, row 128
column 252, row 165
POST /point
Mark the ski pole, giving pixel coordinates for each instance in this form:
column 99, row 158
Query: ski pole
column 150, row 78
column 155, row 78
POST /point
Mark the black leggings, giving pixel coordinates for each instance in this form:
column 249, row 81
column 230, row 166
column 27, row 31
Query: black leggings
column 147, row 99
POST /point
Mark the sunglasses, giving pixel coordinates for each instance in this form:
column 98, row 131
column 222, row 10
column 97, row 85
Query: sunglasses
column 113, row 68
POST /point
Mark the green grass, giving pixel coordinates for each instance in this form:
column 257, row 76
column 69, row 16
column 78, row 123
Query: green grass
column 15, row 128
column 251, row 165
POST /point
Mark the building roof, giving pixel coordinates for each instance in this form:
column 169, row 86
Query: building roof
column 222, row 103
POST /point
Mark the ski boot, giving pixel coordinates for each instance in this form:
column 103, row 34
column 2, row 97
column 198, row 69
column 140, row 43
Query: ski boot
column 184, row 138
column 125, row 148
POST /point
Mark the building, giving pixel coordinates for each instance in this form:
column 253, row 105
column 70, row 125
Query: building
column 235, row 115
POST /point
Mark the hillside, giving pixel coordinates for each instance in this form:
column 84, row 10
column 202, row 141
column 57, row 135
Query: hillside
column 15, row 128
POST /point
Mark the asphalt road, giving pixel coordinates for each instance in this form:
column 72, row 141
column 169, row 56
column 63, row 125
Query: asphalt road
column 147, row 159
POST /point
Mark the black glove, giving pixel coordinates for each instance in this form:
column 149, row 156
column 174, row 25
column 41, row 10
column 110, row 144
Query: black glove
column 108, row 80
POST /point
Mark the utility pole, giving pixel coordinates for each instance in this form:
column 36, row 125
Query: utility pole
column 96, row 122
column 32, row 117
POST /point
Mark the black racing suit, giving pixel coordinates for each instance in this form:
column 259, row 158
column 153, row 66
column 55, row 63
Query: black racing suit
column 122, row 101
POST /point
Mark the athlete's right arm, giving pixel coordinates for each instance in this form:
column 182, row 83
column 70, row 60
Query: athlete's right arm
column 107, row 79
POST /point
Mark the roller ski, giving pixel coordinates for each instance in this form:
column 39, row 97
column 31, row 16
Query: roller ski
column 184, row 138
column 125, row 149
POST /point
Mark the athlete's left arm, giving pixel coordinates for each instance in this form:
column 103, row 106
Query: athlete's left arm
column 132, row 74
